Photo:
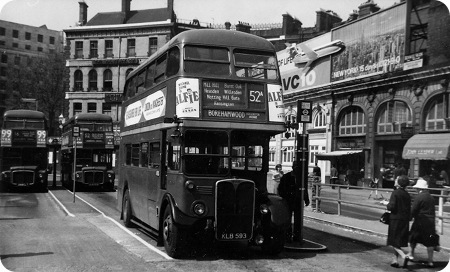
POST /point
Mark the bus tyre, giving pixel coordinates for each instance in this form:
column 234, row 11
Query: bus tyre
column 274, row 243
column 126, row 209
column 174, row 237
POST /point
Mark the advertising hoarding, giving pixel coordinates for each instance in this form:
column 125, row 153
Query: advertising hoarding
column 296, row 75
column 374, row 45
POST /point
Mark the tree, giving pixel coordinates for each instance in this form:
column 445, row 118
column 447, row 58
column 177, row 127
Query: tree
column 43, row 78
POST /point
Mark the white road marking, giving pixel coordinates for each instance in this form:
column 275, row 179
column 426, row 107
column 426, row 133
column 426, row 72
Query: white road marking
column 60, row 204
column 149, row 246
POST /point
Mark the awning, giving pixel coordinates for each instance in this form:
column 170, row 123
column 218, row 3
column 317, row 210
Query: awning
column 427, row 147
column 337, row 153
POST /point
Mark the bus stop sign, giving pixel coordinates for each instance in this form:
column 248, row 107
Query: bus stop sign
column 304, row 111
column 76, row 131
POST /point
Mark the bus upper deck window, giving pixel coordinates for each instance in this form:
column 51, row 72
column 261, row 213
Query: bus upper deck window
column 206, row 60
column 173, row 62
column 255, row 65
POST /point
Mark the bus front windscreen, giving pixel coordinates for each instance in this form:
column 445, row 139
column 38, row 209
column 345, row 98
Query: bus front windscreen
column 208, row 152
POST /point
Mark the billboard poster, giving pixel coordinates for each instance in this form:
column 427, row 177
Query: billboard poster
column 303, row 70
column 374, row 45
column 148, row 108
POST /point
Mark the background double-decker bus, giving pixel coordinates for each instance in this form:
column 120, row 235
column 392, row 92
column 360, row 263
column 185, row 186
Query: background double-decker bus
column 94, row 151
column 23, row 150
column 196, row 123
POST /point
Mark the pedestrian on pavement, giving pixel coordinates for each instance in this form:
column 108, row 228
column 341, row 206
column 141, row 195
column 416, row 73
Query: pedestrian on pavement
column 423, row 229
column 334, row 175
column 276, row 176
column 445, row 184
column 400, row 207
column 399, row 170
column 288, row 189
column 316, row 171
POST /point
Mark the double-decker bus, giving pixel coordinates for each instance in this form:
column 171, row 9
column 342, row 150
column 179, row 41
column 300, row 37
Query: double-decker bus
column 94, row 151
column 23, row 150
column 196, row 123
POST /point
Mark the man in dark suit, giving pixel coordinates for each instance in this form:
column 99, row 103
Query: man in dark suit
column 289, row 189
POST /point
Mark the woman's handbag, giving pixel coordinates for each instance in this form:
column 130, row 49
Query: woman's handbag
column 385, row 218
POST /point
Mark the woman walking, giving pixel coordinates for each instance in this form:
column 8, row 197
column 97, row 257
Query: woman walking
column 423, row 229
column 400, row 207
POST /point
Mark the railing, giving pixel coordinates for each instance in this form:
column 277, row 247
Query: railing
column 340, row 200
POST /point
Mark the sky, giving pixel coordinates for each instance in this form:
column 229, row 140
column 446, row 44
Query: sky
column 63, row 14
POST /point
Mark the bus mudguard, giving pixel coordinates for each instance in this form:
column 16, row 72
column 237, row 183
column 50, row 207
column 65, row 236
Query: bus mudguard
column 178, row 216
column 279, row 211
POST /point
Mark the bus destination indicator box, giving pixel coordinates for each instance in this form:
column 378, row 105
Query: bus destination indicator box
column 229, row 100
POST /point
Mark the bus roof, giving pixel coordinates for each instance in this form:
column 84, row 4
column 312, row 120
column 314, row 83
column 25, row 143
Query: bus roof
column 23, row 114
column 213, row 37
column 90, row 117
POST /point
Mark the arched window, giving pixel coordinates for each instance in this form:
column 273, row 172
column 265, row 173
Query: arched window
column 107, row 80
column 352, row 121
column 437, row 113
column 78, row 81
column 392, row 115
column 93, row 80
column 320, row 120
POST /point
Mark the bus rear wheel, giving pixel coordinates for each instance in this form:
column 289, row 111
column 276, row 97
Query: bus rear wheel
column 174, row 237
column 126, row 209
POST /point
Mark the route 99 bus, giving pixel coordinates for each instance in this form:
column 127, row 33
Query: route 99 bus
column 94, row 149
column 196, row 123
column 23, row 150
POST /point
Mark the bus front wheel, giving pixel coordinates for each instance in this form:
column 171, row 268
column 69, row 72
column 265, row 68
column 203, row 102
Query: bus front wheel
column 174, row 237
column 126, row 209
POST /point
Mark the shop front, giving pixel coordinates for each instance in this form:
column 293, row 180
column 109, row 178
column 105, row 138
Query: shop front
column 432, row 152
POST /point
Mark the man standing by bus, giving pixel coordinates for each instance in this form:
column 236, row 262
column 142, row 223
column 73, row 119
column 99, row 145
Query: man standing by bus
column 287, row 190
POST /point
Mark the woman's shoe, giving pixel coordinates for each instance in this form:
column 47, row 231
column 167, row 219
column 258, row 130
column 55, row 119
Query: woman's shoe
column 395, row 265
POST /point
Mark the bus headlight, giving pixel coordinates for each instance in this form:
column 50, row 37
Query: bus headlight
column 77, row 175
column 264, row 209
column 199, row 208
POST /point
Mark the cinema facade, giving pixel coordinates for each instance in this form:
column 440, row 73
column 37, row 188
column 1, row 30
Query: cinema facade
column 381, row 100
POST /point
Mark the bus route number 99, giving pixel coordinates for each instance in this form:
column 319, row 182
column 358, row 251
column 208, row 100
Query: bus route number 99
column 234, row 236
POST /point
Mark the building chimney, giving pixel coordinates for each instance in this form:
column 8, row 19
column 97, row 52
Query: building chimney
column 227, row 25
column 287, row 24
column 126, row 6
column 353, row 16
column 326, row 19
column 83, row 13
column 243, row 27
column 368, row 8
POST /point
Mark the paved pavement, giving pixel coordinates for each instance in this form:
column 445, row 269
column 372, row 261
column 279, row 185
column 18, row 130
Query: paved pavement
column 372, row 227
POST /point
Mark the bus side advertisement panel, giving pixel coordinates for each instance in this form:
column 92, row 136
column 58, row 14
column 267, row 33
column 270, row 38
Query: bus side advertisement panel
column 187, row 98
column 275, row 101
column 148, row 108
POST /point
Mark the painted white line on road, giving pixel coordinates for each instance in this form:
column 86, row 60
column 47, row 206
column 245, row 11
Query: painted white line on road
column 60, row 204
column 163, row 254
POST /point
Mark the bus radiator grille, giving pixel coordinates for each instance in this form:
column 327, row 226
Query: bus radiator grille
column 22, row 177
column 93, row 177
